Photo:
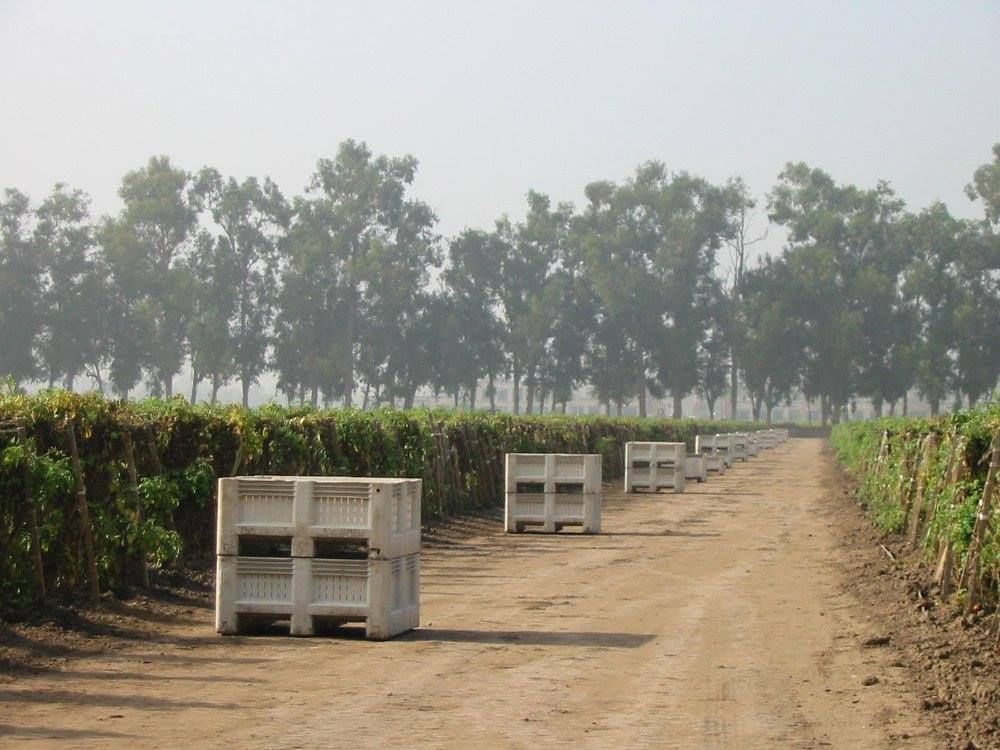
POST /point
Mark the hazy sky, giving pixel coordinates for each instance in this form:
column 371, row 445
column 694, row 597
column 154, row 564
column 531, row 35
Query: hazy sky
column 497, row 98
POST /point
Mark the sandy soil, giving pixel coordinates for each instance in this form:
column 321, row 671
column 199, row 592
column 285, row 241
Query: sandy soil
column 719, row 618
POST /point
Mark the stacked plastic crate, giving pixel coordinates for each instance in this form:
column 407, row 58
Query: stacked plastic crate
column 738, row 446
column 655, row 466
column 695, row 467
column 319, row 550
column 715, row 449
column 553, row 490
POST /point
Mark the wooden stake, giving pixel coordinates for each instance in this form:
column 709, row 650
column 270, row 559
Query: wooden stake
column 133, row 491
column 29, row 503
column 971, row 579
column 945, row 570
column 923, row 467
column 81, row 504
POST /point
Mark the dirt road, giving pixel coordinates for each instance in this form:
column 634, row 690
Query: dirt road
column 712, row 619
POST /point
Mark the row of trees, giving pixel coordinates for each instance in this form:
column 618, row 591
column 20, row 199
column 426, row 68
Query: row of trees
column 347, row 292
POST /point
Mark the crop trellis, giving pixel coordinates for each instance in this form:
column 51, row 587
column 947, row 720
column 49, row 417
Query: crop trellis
column 149, row 470
column 935, row 481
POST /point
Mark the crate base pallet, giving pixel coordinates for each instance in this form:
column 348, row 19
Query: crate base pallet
column 384, row 514
column 313, row 592
column 552, row 511
column 695, row 467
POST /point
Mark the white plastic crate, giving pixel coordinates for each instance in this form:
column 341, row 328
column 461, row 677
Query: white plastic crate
column 753, row 444
column 654, row 466
column 714, row 463
column 384, row 594
column 552, row 490
column 772, row 438
column 715, row 446
column 695, row 467
column 738, row 446
column 384, row 514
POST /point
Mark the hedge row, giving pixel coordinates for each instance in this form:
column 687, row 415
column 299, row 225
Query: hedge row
column 179, row 450
column 931, row 481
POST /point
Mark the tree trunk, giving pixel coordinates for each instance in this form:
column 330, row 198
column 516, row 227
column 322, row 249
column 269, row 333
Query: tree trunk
column 195, row 379
column 711, row 407
column 541, row 402
column 245, row 383
column 607, row 408
column 678, row 405
column 734, row 382
column 364, row 401
column 69, row 382
column 168, row 387
column 529, row 404
column 517, row 387
column 641, row 393
column 472, row 395
column 935, row 404
column 349, row 333
column 492, row 391
column 877, row 406
column 769, row 409
column 411, row 394
column 618, row 408
column 314, row 396
column 892, row 409
column 457, row 390
column 906, row 403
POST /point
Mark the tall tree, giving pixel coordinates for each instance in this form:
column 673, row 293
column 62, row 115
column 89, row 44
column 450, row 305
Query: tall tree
column 527, row 270
column 74, row 316
column 211, row 341
column 360, row 206
column 397, row 275
column 473, row 285
column 715, row 353
column 20, row 288
column 144, row 246
column 739, row 241
column 773, row 336
column 977, row 313
column 836, row 232
column 311, row 350
column 933, row 239
column 692, row 218
column 251, row 217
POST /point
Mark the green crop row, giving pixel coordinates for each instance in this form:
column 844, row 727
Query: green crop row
column 179, row 450
column 925, row 479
